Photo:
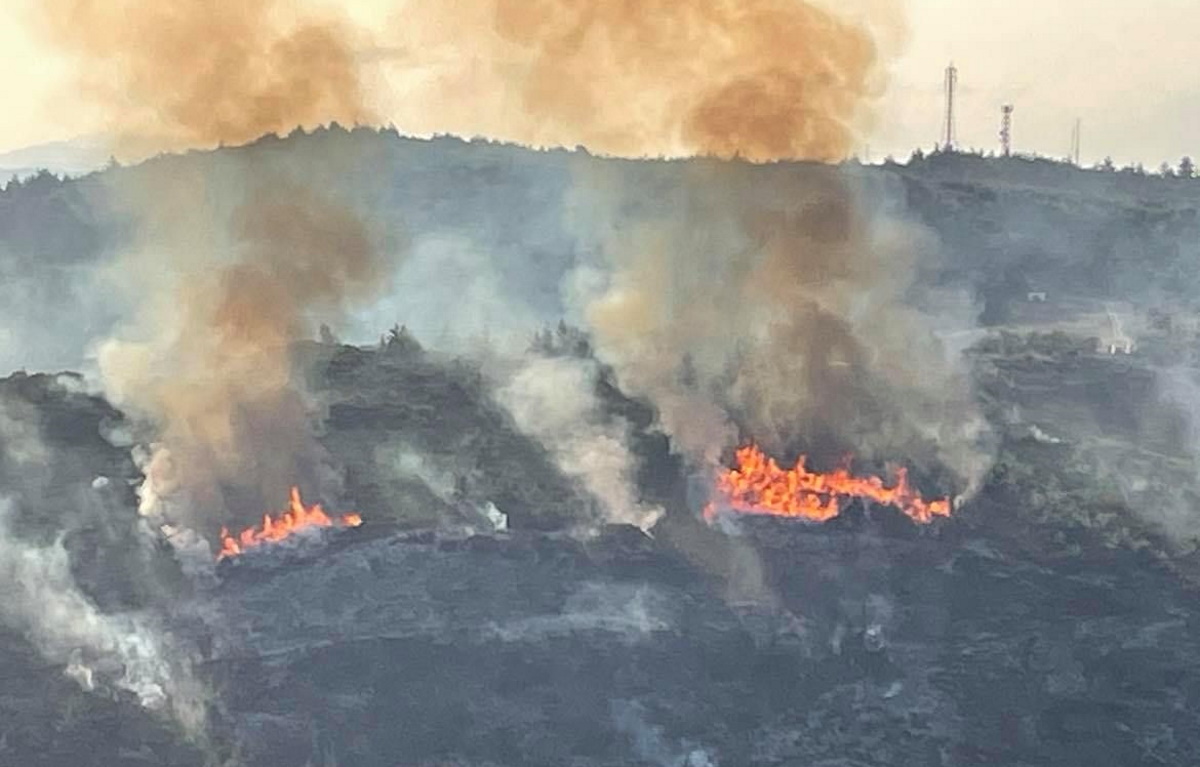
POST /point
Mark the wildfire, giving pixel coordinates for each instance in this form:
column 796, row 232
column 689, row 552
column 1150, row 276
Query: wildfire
column 298, row 517
column 759, row 486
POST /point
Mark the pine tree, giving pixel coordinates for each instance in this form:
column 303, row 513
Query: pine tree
column 1187, row 168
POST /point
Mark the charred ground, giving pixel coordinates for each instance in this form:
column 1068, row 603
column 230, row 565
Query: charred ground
column 1046, row 623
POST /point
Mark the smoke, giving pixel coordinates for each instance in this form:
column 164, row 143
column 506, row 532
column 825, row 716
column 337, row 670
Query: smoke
column 194, row 73
column 632, row 612
column 119, row 648
column 213, row 366
column 650, row 744
column 762, row 80
column 44, row 602
column 554, row 401
column 451, row 292
column 774, row 304
column 773, row 328
column 224, row 294
column 1164, row 493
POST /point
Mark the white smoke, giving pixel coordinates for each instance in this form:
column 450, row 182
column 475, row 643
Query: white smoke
column 651, row 745
column 1159, row 496
column 407, row 461
column 43, row 601
column 553, row 400
column 633, row 612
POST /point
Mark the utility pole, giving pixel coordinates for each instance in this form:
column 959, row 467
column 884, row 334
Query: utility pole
column 949, row 135
column 1006, row 113
column 1076, row 139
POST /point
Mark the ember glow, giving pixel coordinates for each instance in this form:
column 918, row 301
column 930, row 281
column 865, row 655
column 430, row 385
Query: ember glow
column 298, row 517
column 759, row 486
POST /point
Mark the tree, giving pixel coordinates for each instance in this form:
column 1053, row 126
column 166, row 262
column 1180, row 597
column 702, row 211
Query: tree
column 564, row 341
column 1187, row 168
column 1165, row 170
column 1107, row 165
column 400, row 341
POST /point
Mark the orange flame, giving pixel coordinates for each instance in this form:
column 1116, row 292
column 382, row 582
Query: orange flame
column 298, row 517
column 759, row 486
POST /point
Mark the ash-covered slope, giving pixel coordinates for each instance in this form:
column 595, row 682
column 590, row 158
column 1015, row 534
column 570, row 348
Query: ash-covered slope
column 1048, row 622
column 996, row 636
column 420, row 440
column 861, row 649
column 73, row 550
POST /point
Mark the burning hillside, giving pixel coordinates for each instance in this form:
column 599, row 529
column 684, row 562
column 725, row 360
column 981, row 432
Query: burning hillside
column 758, row 485
column 784, row 297
column 296, row 519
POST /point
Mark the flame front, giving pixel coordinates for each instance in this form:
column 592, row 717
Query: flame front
column 298, row 517
column 759, row 486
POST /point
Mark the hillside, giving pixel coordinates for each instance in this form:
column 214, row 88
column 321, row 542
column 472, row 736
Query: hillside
column 507, row 224
column 1049, row 620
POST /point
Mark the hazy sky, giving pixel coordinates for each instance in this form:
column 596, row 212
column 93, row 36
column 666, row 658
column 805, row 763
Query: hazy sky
column 1128, row 69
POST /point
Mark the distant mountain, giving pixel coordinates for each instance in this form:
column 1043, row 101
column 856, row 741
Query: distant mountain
column 73, row 157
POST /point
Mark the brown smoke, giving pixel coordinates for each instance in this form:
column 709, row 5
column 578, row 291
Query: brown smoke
column 771, row 304
column 758, row 79
column 224, row 296
column 183, row 73
column 217, row 371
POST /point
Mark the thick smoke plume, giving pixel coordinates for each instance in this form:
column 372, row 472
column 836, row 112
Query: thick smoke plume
column 211, row 365
column 217, row 371
column 762, row 79
column 191, row 73
column 758, row 303
column 770, row 304
column 225, row 284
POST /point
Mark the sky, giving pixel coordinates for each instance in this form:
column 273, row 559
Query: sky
column 1126, row 69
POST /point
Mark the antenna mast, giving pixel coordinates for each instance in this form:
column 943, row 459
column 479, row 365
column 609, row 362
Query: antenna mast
column 950, row 136
column 1076, row 140
column 1006, row 113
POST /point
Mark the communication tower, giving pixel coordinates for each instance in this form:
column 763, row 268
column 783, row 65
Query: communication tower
column 1006, row 113
column 950, row 134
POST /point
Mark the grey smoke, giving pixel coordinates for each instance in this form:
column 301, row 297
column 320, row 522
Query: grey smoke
column 408, row 462
column 123, row 649
column 649, row 742
column 457, row 295
column 632, row 611
column 43, row 601
column 554, row 401
column 1166, row 501
column 782, row 302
